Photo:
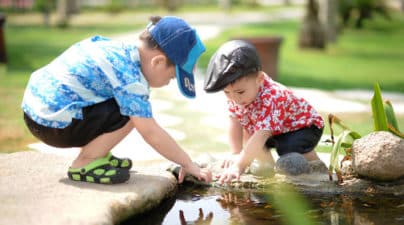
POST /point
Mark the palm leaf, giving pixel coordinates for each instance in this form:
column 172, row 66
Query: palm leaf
column 394, row 131
column 379, row 115
column 390, row 115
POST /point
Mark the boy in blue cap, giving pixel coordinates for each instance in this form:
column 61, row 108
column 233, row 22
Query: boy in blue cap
column 97, row 91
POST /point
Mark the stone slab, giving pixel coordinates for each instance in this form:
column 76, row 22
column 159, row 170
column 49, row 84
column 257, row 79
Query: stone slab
column 34, row 189
column 311, row 183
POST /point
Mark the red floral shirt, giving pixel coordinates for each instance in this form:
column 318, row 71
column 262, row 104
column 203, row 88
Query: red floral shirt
column 276, row 109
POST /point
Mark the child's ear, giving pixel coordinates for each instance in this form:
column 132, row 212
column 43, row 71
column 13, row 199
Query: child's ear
column 260, row 77
column 158, row 60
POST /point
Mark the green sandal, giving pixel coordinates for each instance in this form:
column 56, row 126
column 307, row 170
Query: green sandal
column 123, row 163
column 99, row 171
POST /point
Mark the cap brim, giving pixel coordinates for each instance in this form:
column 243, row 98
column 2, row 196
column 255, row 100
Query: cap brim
column 186, row 82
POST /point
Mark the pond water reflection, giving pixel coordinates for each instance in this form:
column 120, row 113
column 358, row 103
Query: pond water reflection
column 211, row 206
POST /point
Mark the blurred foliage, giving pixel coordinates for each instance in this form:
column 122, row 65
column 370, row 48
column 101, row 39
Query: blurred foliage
column 115, row 6
column 364, row 56
column 361, row 10
column 44, row 6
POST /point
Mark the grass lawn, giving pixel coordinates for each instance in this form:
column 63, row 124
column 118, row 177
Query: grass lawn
column 357, row 60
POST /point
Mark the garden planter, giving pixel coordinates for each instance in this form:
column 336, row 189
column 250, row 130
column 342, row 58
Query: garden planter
column 268, row 51
column 3, row 56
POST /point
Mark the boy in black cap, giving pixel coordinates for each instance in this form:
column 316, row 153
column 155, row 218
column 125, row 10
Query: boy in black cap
column 97, row 91
column 263, row 113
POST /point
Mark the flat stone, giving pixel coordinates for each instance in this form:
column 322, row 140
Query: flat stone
column 34, row 189
column 314, row 183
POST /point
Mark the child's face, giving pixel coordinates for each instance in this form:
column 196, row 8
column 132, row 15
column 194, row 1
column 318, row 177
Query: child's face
column 244, row 90
column 158, row 72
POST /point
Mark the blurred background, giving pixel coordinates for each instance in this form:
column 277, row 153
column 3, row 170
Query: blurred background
column 329, row 45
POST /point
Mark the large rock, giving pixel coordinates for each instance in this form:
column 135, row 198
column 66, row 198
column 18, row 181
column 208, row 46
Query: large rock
column 34, row 189
column 379, row 156
column 292, row 164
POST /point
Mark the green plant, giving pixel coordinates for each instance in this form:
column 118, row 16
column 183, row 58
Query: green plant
column 384, row 119
column 344, row 142
column 45, row 7
column 361, row 10
column 383, row 114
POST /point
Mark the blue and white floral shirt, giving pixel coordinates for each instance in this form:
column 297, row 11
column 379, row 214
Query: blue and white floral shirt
column 90, row 71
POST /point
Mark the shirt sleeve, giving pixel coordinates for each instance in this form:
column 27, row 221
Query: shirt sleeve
column 132, row 103
column 231, row 109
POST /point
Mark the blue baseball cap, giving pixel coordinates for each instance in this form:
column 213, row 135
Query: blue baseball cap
column 182, row 46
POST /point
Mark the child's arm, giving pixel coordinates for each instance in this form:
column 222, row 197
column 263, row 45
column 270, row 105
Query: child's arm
column 235, row 133
column 235, row 136
column 164, row 144
column 254, row 149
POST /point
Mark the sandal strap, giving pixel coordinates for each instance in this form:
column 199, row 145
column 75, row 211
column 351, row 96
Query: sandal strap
column 91, row 166
column 124, row 163
column 99, row 171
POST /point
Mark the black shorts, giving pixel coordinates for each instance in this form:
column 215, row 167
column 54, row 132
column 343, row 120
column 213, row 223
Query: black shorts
column 97, row 119
column 301, row 141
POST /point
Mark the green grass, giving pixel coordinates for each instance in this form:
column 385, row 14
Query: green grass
column 28, row 48
column 357, row 60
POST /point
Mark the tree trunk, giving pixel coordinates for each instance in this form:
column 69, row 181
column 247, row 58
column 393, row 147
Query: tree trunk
column 311, row 33
column 225, row 4
column 170, row 5
column 62, row 14
column 46, row 18
column 72, row 7
column 402, row 5
column 328, row 15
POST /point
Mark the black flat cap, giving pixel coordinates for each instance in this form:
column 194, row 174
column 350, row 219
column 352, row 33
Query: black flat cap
column 231, row 61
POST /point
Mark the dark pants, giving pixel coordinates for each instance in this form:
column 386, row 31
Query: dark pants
column 97, row 119
column 301, row 141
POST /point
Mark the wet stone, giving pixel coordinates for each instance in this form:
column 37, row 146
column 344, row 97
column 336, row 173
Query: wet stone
column 292, row 164
column 315, row 181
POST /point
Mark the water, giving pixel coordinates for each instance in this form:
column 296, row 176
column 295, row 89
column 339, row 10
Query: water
column 211, row 206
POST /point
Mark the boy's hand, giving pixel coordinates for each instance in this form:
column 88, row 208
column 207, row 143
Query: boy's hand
column 231, row 173
column 200, row 173
column 229, row 161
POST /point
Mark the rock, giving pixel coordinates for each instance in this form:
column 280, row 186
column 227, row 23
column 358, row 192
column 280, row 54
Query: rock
column 314, row 182
column 292, row 164
column 34, row 189
column 346, row 169
column 318, row 166
column 262, row 169
column 379, row 156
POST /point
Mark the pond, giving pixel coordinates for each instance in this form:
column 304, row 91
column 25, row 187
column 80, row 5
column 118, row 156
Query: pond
column 211, row 206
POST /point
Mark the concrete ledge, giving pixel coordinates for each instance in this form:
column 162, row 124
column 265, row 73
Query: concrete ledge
column 34, row 189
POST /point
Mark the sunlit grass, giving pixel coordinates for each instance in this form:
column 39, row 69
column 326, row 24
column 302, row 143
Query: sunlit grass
column 357, row 60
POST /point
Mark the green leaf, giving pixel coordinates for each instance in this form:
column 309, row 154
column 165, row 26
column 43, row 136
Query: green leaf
column 293, row 206
column 379, row 116
column 396, row 132
column 344, row 140
column 390, row 115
